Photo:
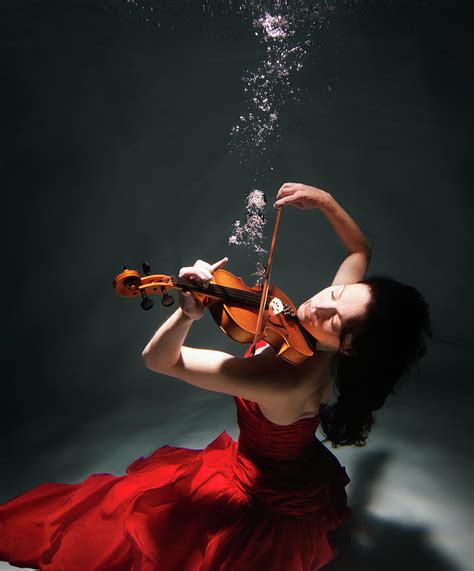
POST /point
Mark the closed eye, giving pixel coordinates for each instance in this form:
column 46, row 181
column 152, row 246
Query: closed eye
column 341, row 291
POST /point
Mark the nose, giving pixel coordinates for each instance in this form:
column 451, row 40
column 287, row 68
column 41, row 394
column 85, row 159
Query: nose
column 325, row 311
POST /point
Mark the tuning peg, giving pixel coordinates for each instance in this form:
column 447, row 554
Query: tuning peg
column 167, row 299
column 146, row 268
column 146, row 302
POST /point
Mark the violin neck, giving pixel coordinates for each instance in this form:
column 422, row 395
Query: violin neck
column 223, row 293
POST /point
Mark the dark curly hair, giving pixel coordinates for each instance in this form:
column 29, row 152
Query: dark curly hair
column 387, row 341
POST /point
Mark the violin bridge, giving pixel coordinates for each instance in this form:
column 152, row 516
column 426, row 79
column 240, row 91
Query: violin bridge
column 277, row 306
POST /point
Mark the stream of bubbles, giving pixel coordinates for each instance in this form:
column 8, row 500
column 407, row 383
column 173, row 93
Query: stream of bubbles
column 286, row 32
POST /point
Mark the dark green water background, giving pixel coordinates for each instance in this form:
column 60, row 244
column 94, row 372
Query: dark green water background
column 115, row 150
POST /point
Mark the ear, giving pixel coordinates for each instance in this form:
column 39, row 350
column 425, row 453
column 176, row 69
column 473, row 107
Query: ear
column 346, row 349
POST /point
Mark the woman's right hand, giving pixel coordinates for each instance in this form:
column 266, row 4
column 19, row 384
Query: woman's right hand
column 301, row 196
column 202, row 272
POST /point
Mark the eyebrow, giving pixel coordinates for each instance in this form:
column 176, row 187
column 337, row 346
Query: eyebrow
column 342, row 291
column 340, row 295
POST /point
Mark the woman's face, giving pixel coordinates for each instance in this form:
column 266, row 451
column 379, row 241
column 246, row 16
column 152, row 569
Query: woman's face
column 324, row 314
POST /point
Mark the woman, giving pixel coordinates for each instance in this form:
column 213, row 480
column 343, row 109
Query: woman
column 270, row 500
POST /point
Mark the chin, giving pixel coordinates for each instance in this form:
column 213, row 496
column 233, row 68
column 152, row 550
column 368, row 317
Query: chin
column 300, row 314
column 302, row 318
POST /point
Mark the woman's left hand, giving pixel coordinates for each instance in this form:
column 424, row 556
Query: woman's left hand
column 301, row 196
column 202, row 272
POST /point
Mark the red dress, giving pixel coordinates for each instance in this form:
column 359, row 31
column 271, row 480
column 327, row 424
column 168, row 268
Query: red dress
column 265, row 502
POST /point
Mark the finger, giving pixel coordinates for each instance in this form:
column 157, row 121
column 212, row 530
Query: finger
column 288, row 184
column 285, row 200
column 186, row 298
column 189, row 299
column 184, row 272
column 289, row 188
column 285, row 191
column 284, row 186
column 199, row 275
column 202, row 263
column 219, row 264
column 195, row 274
column 205, row 266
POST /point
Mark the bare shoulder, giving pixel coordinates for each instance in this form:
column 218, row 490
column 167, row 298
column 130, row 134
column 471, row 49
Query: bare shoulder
column 282, row 390
column 313, row 386
column 263, row 378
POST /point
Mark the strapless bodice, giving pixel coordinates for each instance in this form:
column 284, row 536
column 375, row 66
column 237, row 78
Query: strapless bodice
column 285, row 468
column 262, row 438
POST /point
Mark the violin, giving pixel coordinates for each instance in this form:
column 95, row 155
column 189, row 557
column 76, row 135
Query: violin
column 245, row 314
column 235, row 307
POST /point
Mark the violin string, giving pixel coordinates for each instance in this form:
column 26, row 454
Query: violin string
column 231, row 298
column 221, row 291
column 218, row 288
column 253, row 299
column 236, row 293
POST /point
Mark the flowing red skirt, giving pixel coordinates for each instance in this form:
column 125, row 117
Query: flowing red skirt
column 176, row 510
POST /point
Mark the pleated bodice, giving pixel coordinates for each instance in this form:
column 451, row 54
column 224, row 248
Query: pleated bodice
column 261, row 437
column 285, row 468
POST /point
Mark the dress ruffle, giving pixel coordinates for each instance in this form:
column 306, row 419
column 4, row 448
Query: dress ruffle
column 178, row 509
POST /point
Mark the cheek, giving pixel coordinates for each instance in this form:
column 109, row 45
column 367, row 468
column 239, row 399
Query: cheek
column 304, row 319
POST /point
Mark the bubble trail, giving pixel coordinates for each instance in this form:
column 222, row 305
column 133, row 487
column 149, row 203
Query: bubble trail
column 250, row 235
column 285, row 30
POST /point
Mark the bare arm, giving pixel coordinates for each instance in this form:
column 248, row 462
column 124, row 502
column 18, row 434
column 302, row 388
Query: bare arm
column 352, row 237
column 357, row 246
column 263, row 378
column 163, row 350
column 359, row 252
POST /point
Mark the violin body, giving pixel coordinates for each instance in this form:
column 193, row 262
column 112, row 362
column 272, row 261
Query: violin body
column 281, row 327
column 234, row 307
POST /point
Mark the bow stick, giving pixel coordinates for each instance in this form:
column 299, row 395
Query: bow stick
column 266, row 284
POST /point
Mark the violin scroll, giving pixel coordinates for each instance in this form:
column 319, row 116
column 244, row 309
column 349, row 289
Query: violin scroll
column 129, row 283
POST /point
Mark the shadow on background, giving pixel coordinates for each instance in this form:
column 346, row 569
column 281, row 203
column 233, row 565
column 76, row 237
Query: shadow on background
column 371, row 543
